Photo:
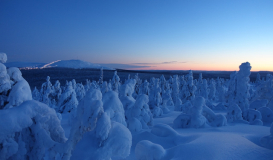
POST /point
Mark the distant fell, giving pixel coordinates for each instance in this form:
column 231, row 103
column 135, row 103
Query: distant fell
column 76, row 64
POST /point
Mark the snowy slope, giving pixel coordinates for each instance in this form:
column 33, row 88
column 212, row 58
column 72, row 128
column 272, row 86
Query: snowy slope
column 24, row 64
column 76, row 64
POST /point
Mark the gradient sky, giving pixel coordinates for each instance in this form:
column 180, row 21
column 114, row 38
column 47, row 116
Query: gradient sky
column 152, row 34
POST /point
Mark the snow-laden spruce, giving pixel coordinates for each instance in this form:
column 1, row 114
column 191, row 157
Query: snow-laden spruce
column 198, row 115
column 57, row 92
column 68, row 101
column 139, row 116
column 113, row 107
column 137, row 86
column 144, row 88
column 80, row 91
column 28, row 131
column 194, row 119
column 155, row 98
column 167, row 100
column 220, row 91
column 242, row 93
column 93, row 135
column 188, row 90
column 46, row 90
column 234, row 113
column 5, row 85
column 20, row 90
column 212, row 90
column 115, row 82
column 231, row 93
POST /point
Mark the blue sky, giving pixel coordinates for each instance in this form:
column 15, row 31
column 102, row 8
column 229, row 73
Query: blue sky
column 199, row 35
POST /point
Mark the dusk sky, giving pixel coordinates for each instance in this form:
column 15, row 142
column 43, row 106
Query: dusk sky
column 164, row 35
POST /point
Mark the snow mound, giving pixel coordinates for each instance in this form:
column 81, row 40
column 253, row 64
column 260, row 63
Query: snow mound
column 146, row 150
column 76, row 64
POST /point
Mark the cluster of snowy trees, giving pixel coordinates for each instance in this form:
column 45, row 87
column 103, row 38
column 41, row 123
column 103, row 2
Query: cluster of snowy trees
column 104, row 114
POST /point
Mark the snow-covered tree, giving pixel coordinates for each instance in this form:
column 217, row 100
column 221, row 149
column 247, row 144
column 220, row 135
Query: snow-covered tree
column 5, row 84
column 267, row 114
column 113, row 107
column 74, row 83
column 163, row 83
column 36, row 94
column 93, row 130
column 175, row 88
column 126, row 98
column 194, row 119
column 110, row 85
column 258, row 79
column 234, row 113
column 242, row 93
column 101, row 77
column 232, row 89
column 220, row 91
column 115, row 82
column 80, row 91
column 188, row 90
column 167, row 100
column 68, row 101
column 28, row 131
column 212, row 90
column 20, row 90
column 264, row 91
column 137, row 86
column 87, row 85
column 155, row 98
column 182, row 82
column 144, row 89
column 57, row 91
column 204, row 89
column 178, row 104
column 140, row 116
column 104, row 88
column 199, row 85
column 213, row 119
column 254, row 117
column 46, row 91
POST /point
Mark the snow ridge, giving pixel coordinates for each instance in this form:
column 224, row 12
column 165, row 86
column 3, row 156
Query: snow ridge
column 49, row 64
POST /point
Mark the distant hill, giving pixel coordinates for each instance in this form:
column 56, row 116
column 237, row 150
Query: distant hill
column 24, row 64
column 76, row 64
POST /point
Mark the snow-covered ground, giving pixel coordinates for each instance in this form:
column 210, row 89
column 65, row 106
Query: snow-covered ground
column 234, row 141
column 110, row 120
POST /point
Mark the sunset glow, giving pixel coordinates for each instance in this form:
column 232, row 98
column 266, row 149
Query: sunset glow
column 197, row 35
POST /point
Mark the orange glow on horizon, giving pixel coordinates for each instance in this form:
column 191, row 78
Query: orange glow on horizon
column 204, row 67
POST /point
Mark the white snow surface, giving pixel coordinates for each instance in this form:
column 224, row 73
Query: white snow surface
column 235, row 141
